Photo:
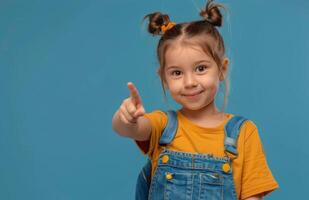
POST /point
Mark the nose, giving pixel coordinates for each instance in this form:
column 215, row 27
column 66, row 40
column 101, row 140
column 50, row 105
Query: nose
column 190, row 81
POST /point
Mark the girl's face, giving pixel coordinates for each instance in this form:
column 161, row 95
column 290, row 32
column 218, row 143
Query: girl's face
column 191, row 76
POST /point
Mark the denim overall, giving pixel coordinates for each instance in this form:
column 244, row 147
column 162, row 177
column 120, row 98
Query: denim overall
column 190, row 176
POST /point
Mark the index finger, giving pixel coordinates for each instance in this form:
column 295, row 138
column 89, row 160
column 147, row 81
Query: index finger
column 134, row 94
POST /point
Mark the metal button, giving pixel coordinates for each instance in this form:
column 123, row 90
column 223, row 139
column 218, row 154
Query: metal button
column 165, row 159
column 226, row 167
column 168, row 176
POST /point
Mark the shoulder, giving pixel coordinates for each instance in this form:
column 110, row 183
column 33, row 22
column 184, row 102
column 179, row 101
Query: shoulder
column 249, row 135
column 248, row 127
column 248, row 123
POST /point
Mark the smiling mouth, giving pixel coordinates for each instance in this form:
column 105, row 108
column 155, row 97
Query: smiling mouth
column 192, row 95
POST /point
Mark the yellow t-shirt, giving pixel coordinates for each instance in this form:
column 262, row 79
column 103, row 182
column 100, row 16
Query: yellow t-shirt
column 251, row 173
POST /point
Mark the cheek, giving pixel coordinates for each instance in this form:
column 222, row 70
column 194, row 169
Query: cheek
column 174, row 86
column 211, row 82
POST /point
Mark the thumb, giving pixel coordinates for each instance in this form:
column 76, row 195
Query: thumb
column 140, row 111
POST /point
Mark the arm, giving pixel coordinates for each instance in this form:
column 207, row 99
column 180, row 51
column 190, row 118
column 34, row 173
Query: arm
column 128, row 120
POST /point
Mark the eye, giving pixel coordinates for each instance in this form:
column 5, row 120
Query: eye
column 176, row 73
column 201, row 68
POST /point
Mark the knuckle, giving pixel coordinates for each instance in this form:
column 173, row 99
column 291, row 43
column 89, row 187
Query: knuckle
column 131, row 109
column 128, row 102
column 123, row 119
column 123, row 110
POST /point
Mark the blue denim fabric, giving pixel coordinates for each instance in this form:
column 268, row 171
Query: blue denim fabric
column 194, row 176
column 143, row 182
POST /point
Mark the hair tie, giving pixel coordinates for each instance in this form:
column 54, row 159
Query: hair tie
column 170, row 25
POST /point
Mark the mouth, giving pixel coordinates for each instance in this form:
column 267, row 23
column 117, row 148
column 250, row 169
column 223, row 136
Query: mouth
column 192, row 94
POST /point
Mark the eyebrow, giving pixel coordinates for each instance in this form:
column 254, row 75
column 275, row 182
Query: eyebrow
column 197, row 62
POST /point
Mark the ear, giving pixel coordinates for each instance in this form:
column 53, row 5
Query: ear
column 224, row 68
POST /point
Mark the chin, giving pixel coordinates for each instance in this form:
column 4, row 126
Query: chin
column 193, row 107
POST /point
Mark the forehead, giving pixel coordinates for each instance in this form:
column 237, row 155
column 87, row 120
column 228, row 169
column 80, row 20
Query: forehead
column 178, row 55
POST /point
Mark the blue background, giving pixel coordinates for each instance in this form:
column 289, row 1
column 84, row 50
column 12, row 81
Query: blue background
column 64, row 66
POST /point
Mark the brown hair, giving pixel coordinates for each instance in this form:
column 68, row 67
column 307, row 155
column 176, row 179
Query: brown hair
column 202, row 33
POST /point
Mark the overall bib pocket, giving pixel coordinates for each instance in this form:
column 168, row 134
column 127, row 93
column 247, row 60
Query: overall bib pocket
column 178, row 185
column 211, row 185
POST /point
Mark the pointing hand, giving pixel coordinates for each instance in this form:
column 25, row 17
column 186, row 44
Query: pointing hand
column 132, row 107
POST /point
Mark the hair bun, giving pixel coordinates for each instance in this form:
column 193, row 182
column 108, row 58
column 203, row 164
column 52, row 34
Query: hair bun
column 156, row 20
column 212, row 14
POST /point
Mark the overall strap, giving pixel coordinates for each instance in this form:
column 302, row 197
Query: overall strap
column 170, row 129
column 232, row 129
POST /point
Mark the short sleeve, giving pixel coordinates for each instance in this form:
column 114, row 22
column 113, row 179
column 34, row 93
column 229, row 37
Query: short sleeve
column 257, row 178
column 158, row 121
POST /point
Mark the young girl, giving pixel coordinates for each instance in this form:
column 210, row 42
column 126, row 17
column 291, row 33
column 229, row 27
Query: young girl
column 195, row 163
